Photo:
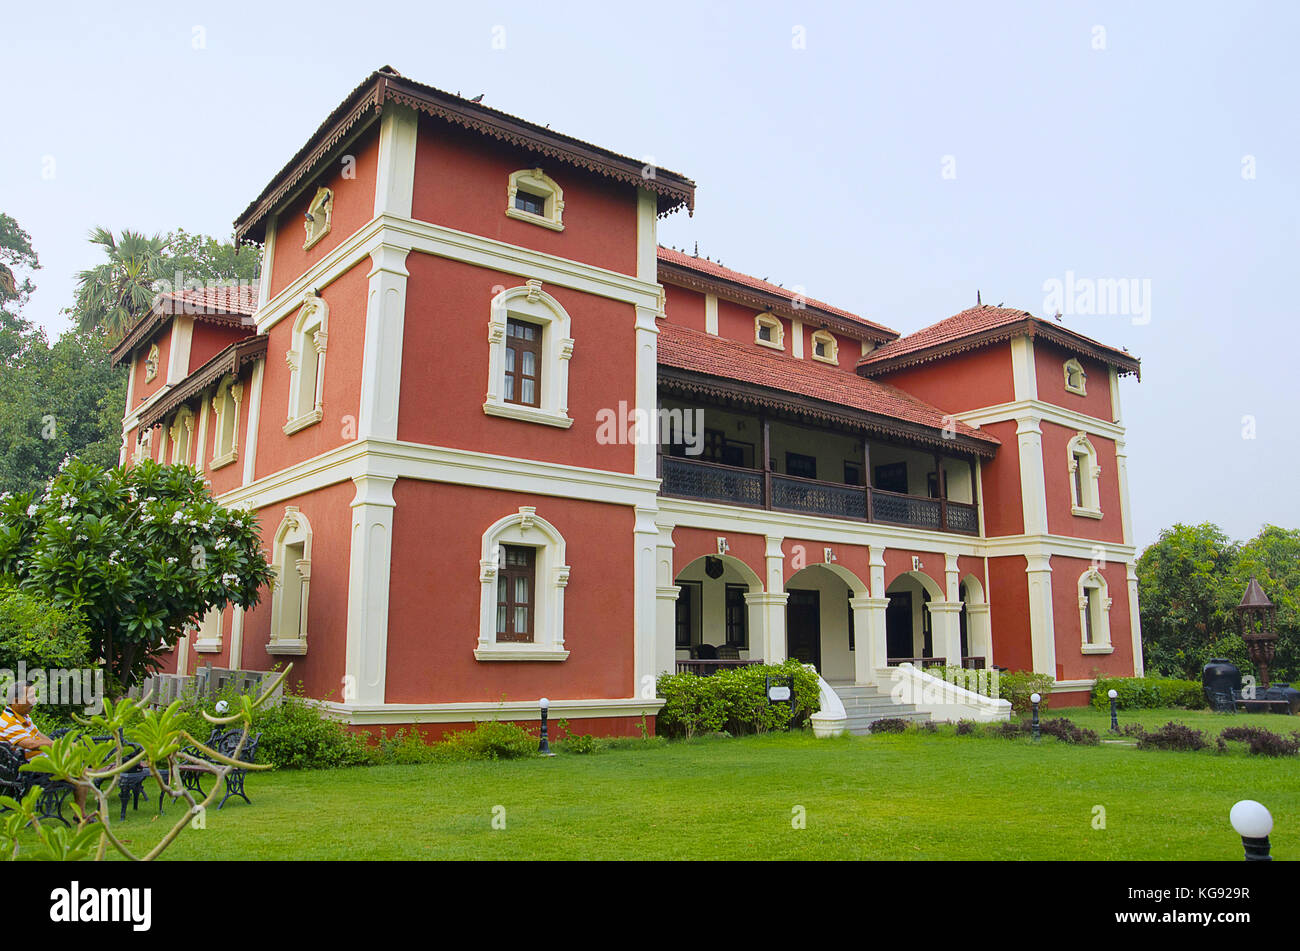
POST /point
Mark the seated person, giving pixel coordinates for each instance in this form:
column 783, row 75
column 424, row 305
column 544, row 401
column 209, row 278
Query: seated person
column 18, row 730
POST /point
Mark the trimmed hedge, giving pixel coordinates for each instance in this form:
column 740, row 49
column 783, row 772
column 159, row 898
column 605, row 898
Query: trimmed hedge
column 1019, row 686
column 734, row 701
column 1148, row 693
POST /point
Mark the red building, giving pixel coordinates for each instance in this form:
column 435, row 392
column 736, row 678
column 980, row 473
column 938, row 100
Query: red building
column 443, row 402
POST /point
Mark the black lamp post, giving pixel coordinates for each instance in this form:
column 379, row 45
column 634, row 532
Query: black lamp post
column 544, row 747
column 1114, row 711
column 1035, row 699
column 1253, row 823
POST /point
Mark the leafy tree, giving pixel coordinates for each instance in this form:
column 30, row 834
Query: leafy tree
column 15, row 252
column 141, row 552
column 115, row 294
column 203, row 258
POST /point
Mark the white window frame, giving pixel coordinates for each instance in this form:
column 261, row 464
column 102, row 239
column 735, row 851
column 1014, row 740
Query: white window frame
column 533, row 305
column 230, row 393
column 832, row 347
column 322, row 211
column 207, row 636
column 778, row 336
column 536, row 182
column 289, row 635
column 550, row 576
column 1090, row 505
column 1101, row 603
column 1074, row 366
column 143, row 444
column 182, row 436
column 307, row 347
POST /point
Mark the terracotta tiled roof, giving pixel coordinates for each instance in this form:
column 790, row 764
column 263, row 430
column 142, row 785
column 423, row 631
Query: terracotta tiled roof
column 980, row 326
column 232, row 305
column 711, row 269
column 685, row 349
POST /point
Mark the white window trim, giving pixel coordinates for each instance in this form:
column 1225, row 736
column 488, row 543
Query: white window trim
column 323, row 200
column 151, row 364
column 550, row 576
column 310, row 329
column 1072, row 365
column 207, row 638
column 184, row 421
column 536, row 182
column 1089, row 507
column 1092, row 578
column 294, row 529
column 532, row 304
column 236, row 392
column 767, row 320
column 833, row 347
column 143, row 444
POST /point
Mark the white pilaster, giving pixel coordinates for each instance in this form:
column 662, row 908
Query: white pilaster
column 235, row 662
column 772, row 602
column 666, row 593
column 645, row 601
column 395, row 179
column 1024, row 374
column 1042, row 628
column 368, row 570
column 1114, row 398
column 647, row 390
column 647, row 241
column 268, row 258
column 201, row 446
column 381, row 369
column 178, row 358
column 1121, row 472
column 796, row 338
column 1033, row 488
column 1135, row 621
column 254, row 421
column 711, row 314
column 978, row 633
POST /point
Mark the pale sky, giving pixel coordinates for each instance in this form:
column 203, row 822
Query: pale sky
column 890, row 159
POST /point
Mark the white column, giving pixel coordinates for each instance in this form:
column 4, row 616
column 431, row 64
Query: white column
column 268, row 257
column 254, row 422
column 866, row 660
column 1135, row 621
column 711, row 314
column 775, row 650
column 368, row 570
column 796, row 341
column 647, row 241
column 946, row 615
column 647, row 391
column 1042, row 628
column 666, row 593
column 395, row 177
column 201, row 447
column 1024, row 375
column 645, row 535
column 178, row 358
column 1033, row 489
column 381, row 369
column 1121, row 470
column 879, row 602
column 235, row 661
column 978, row 633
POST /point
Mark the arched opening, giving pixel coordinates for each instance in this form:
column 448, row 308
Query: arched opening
column 713, row 621
column 976, row 644
column 819, row 628
column 909, row 629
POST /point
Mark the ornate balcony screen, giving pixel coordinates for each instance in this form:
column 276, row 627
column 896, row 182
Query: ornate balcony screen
column 963, row 517
column 818, row 498
column 906, row 509
column 711, row 483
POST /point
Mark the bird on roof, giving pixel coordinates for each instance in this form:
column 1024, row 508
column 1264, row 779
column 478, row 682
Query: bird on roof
column 478, row 98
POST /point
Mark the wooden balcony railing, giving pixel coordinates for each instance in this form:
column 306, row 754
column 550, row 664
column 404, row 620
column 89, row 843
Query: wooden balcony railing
column 712, row 482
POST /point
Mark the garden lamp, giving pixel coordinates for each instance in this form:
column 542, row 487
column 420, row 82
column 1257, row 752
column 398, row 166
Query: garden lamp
column 1035, row 699
column 1253, row 823
column 1114, row 708
column 544, row 747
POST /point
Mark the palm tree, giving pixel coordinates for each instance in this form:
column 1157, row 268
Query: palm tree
column 115, row 294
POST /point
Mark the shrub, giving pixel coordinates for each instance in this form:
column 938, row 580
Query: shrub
column 1173, row 736
column 490, row 740
column 1146, row 693
column 43, row 635
column 583, row 743
column 1019, row 686
column 406, row 748
column 1008, row 729
column 296, row 736
column 965, row 727
column 735, row 701
column 1262, row 742
column 888, row 725
column 1068, row 732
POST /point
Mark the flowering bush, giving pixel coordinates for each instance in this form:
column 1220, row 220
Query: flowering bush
column 139, row 552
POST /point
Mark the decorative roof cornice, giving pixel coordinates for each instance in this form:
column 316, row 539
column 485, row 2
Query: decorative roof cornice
column 230, row 360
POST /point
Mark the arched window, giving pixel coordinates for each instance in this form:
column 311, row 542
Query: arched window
column 1076, row 381
column 1094, row 613
column 522, row 574
column 182, row 433
column 306, row 360
column 225, row 409
column 1085, row 477
column 291, row 558
column 535, row 197
column 824, row 347
column 529, row 348
column 317, row 220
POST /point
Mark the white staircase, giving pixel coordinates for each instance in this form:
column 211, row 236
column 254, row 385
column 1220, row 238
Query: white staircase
column 865, row 704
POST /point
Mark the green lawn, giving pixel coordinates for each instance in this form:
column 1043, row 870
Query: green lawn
column 1206, row 720
column 910, row 796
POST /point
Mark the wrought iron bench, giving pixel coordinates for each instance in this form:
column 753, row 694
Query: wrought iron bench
column 224, row 743
column 16, row 784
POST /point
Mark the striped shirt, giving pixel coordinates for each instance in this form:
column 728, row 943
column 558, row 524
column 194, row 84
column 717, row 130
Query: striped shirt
column 14, row 727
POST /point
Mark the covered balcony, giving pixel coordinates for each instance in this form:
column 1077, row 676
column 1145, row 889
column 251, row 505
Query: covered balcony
column 792, row 458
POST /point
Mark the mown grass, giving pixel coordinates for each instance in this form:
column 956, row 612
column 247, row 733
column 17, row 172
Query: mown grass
column 1212, row 723
column 905, row 796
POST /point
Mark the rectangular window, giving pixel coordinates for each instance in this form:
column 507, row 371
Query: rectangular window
column 523, row 363
column 737, row 617
column 892, row 478
column 765, row 332
column 515, row 597
column 852, row 473
column 1079, row 462
column 797, row 464
column 533, row 204
column 688, row 600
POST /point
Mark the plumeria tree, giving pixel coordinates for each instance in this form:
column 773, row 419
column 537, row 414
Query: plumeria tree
column 140, row 552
